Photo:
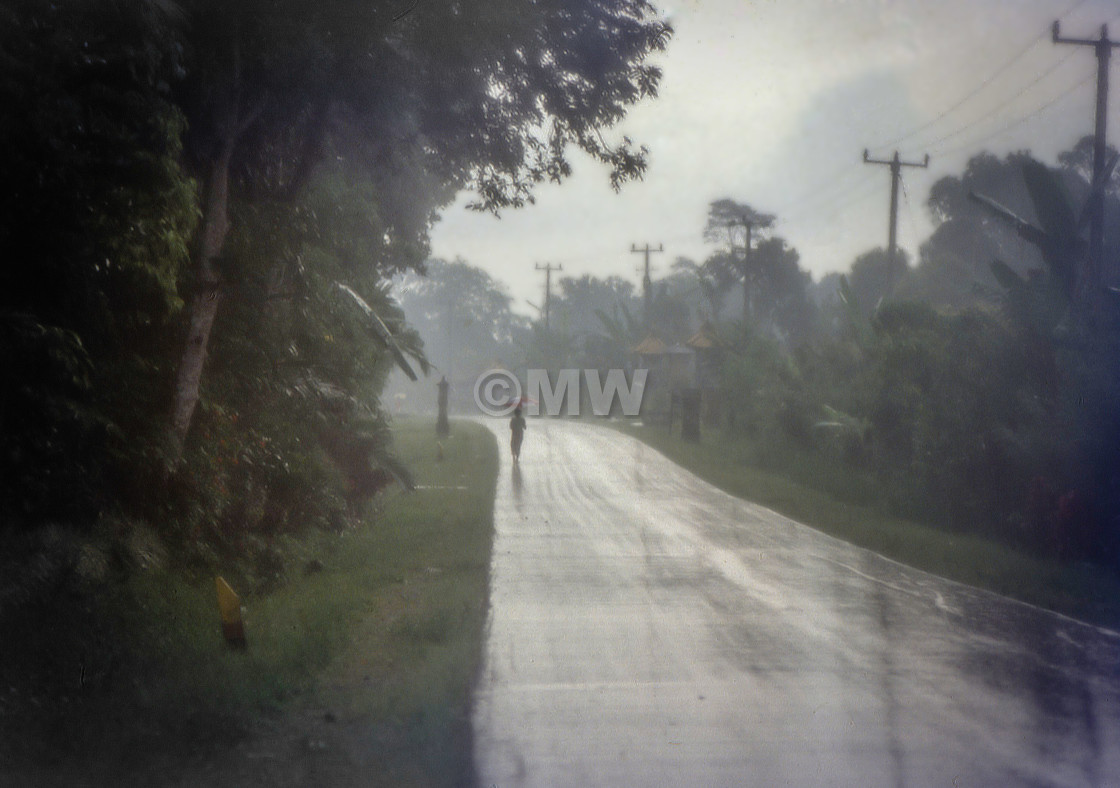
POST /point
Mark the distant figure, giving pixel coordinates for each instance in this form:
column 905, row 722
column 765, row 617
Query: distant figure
column 517, row 433
column 443, row 428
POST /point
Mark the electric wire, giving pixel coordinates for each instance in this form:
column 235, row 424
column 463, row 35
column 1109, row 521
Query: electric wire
column 1014, row 124
column 826, row 189
column 983, row 84
column 853, row 198
column 932, row 144
column 815, row 200
column 1061, row 97
column 911, row 219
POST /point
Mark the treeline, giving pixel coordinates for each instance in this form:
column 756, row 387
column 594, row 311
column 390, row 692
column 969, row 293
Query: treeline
column 204, row 205
column 976, row 389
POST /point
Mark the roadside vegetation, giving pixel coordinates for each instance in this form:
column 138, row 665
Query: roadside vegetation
column 1081, row 589
column 378, row 628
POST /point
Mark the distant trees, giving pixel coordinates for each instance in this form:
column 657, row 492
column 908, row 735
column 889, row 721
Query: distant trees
column 738, row 228
column 870, row 278
column 978, row 395
column 775, row 294
column 579, row 300
column 953, row 265
column 781, row 302
column 729, row 222
column 464, row 316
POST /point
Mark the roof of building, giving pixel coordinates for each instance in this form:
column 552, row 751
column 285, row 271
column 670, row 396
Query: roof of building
column 704, row 339
column 650, row 346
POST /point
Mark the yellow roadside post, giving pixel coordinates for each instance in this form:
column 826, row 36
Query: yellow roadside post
column 229, row 604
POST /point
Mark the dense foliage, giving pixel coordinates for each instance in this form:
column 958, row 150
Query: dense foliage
column 206, row 205
column 96, row 218
column 980, row 393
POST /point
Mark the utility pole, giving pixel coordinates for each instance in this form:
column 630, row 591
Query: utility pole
column 647, row 283
column 1095, row 275
column 896, row 164
column 748, row 225
column 548, row 268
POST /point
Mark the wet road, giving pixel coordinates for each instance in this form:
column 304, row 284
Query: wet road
column 647, row 629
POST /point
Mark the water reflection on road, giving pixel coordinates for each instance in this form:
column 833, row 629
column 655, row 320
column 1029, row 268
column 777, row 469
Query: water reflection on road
column 647, row 629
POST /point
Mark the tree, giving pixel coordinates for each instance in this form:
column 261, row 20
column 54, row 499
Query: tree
column 1079, row 160
column 782, row 303
column 1073, row 329
column 952, row 265
column 672, row 305
column 579, row 301
column 492, row 96
column 289, row 432
column 737, row 225
column 956, row 407
column 728, row 220
column 95, row 220
column 1044, row 298
column 712, row 286
column 462, row 314
column 1076, row 169
column 870, row 278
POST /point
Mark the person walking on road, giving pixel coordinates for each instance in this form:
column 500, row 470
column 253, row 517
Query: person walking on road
column 517, row 433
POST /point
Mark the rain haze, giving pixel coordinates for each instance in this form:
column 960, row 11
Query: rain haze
column 311, row 476
column 773, row 104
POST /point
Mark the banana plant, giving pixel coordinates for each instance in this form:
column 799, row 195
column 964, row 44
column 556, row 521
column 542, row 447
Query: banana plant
column 860, row 325
column 840, row 424
column 1044, row 299
column 621, row 328
column 397, row 345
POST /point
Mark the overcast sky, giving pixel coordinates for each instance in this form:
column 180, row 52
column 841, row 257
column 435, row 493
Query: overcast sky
column 771, row 102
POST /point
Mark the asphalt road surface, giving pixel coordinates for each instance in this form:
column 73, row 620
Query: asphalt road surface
column 648, row 629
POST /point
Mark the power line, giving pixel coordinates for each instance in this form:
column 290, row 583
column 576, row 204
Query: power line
column 961, row 102
column 831, row 178
column 1061, row 97
column 872, row 188
column 829, row 190
column 816, row 196
column 909, row 210
column 983, row 84
column 1006, row 102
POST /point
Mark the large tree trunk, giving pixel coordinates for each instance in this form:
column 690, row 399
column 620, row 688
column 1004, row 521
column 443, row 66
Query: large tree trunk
column 203, row 304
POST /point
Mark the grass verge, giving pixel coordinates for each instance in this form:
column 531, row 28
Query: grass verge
column 1080, row 590
column 135, row 685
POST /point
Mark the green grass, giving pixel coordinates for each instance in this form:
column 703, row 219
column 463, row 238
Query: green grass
column 388, row 633
column 431, row 545
column 1083, row 591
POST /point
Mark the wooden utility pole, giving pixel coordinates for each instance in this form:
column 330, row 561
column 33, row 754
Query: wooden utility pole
column 1094, row 278
column 647, row 283
column 449, row 320
column 896, row 164
column 548, row 268
column 748, row 225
